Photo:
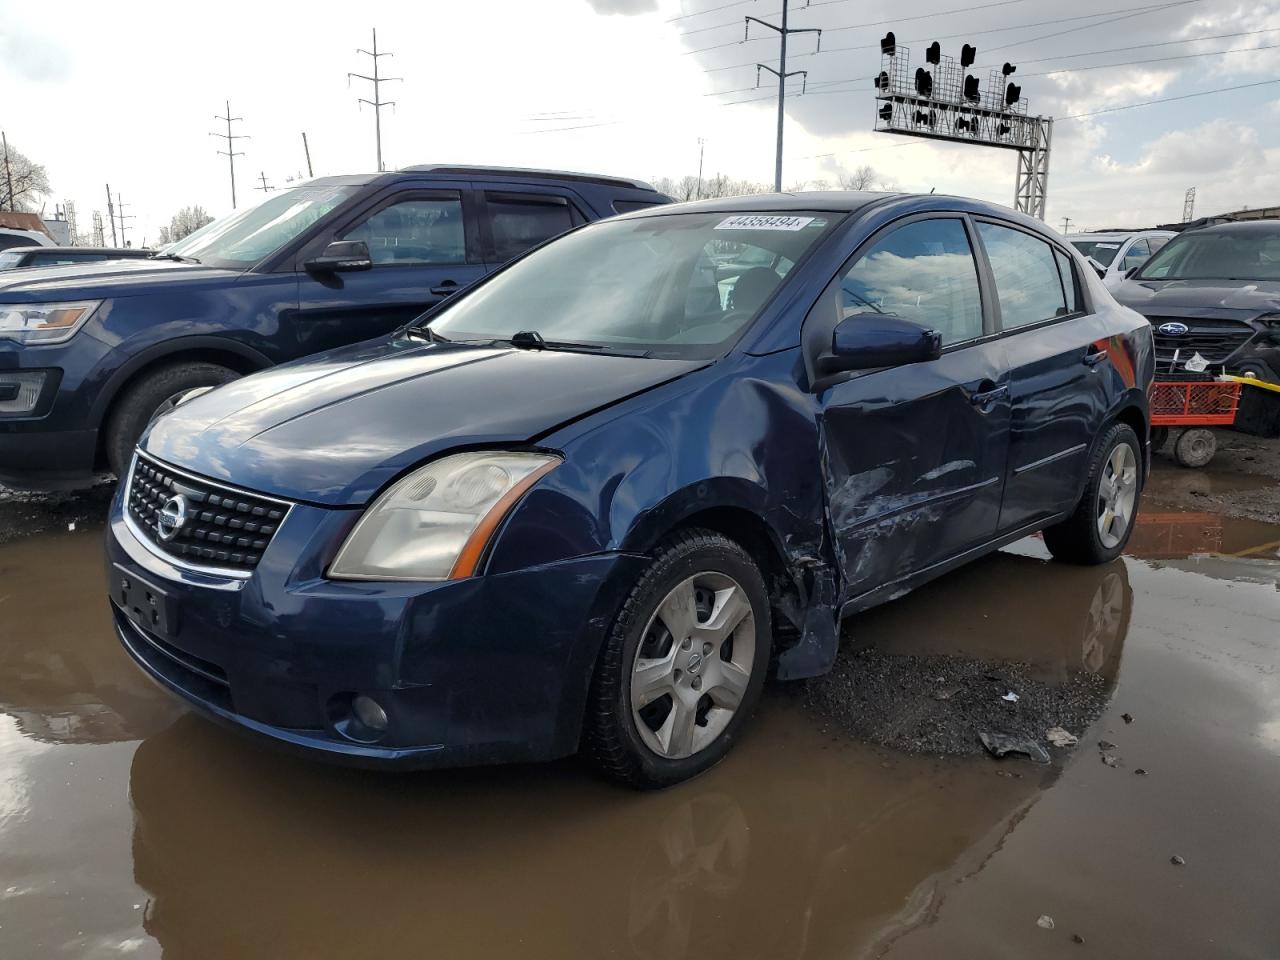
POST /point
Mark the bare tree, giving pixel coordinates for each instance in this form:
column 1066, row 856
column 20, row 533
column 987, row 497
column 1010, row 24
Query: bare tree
column 862, row 178
column 686, row 187
column 30, row 183
column 185, row 222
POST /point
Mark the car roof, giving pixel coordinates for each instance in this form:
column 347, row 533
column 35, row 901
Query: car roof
column 1240, row 226
column 128, row 251
column 474, row 170
column 835, row 201
column 1118, row 234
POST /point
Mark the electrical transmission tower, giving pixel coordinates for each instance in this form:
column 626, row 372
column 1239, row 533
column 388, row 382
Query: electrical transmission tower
column 377, row 102
column 265, row 186
column 231, row 153
column 69, row 210
column 120, row 215
column 1189, row 205
column 99, row 235
column 111, row 216
column 781, row 73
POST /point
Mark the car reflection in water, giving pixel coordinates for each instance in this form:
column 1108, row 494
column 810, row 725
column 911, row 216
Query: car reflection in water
column 797, row 845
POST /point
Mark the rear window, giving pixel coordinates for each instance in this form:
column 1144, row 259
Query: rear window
column 1104, row 251
column 626, row 206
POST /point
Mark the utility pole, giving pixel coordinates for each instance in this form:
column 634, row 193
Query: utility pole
column 111, row 215
column 307, row 150
column 1066, row 225
column 230, row 153
column 781, row 73
column 120, row 214
column 265, row 186
column 8, row 174
column 1189, row 205
column 702, row 145
column 377, row 102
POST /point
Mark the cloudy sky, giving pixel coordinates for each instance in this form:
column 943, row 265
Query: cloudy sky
column 127, row 94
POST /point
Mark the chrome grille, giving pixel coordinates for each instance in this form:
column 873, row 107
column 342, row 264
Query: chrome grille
column 1215, row 340
column 224, row 527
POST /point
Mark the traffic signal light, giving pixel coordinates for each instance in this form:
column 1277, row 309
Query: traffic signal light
column 888, row 44
column 1012, row 94
column 934, row 53
column 963, row 124
column 886, row 112
column 968, row 53
column 882, row 81
column 971, row 89
column 924, row 82
column 930, row 118
column 1007, row 69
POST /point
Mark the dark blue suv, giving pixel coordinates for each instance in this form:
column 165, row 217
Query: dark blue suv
column 583, row 504
column 90, row 354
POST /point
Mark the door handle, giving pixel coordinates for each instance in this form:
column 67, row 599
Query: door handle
column 984, row 398
column 1094, row 355
column 445, row 288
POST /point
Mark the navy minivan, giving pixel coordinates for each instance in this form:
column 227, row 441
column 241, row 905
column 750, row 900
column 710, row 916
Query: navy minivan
column 91, row 353
column 584, row 503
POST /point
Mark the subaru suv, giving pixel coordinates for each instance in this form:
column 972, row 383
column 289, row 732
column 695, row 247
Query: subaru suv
column 90, row 354
column 582, row 504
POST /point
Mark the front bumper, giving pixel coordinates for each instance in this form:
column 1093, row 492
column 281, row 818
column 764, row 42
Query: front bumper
column 32, row 458
column 485, row 670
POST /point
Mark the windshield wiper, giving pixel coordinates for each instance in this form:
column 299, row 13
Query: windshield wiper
column 179, row 258
column 426, row 333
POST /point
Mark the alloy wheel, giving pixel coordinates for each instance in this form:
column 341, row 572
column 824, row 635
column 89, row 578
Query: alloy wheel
column 1117, row 495
column 693, row 665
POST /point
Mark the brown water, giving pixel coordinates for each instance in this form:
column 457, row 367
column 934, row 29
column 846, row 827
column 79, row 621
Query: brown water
column 128, row 826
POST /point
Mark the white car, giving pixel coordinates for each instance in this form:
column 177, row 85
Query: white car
column 13, row 237
column 1119, row 251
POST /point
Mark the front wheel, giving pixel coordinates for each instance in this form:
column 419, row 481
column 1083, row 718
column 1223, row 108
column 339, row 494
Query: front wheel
column 1100, row 526
column 683, row 665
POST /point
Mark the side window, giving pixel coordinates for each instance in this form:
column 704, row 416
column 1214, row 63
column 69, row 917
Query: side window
column 1026, row 273
column 8, row 240
column 1067, row 273
column 1136, row 255
column 520, row 221
column 1157, row 242
column 415, row 231
column 923, row 272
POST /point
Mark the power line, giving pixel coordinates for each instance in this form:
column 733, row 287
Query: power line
column 377, row 102
column 1135, row 63
column 231, row 153
column 1185, row 96
column 1090, row 26
column 698, row 13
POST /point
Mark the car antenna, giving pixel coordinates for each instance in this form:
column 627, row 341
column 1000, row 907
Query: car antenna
column 528, row 340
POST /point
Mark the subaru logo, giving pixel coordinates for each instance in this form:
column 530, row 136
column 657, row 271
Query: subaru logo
column 1174, row 329
column 172, row 517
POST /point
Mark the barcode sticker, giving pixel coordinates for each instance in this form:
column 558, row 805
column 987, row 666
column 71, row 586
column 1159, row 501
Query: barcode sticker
column 753, row 222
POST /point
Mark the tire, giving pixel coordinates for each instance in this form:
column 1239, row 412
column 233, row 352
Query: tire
column 650, row 747
column 144, row 400
column 1080, row 538
column 1195, row 448
column 1159, row 437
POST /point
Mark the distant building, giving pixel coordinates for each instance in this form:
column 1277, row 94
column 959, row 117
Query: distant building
column 24, row 221
column 60, row 230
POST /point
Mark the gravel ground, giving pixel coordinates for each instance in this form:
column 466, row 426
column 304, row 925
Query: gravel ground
column 939, row 705
column 1242, row 481
column 23, row 513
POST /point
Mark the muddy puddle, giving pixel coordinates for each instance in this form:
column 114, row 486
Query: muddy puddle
column 130, row 827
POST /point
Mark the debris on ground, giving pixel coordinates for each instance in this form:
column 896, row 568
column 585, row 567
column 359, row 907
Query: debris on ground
column 1010, row 697
column 1127, row 718
column 1045, row 922
column 1106, row 745
column 1060, row 737
column 1109, row 760
column 1177, row 861
column 1002, row 744
column 1076, row 938
column 1140, row 772
column 938, row 704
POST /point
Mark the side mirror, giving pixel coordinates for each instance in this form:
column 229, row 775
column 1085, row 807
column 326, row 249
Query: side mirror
column 341, row 255
column 866, row 341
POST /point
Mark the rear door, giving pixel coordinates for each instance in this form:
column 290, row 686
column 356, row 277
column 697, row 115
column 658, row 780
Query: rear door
column 914, row 456
column 516, row 217
column 1057, row 353
column 424, row 243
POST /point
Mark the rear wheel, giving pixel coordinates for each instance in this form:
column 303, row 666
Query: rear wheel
column 155, row 394
column 683, row 665
column 1099, row 528
column 1195, row 448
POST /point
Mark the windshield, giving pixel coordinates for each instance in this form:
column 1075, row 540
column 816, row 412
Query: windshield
column 10, row 260
column 1104, row 251
column 1217, row 255
column 246, row 236
column 682, row 285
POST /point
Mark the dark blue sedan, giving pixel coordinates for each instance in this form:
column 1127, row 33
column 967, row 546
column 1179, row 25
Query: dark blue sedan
column 580, row 506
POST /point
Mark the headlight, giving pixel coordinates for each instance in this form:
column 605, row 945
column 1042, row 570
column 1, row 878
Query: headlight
column 44, row 322
column 435, row 523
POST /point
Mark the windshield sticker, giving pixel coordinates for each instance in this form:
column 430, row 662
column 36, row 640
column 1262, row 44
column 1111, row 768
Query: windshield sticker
column 1108, row 246
column 752, row 222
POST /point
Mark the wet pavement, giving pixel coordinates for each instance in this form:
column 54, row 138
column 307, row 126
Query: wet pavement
column 129, row 826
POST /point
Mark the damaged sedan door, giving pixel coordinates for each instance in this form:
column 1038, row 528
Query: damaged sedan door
column 914, row 445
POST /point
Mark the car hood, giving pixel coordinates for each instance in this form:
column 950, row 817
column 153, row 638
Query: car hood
column 104, row 279
column 336, row 428
column 1200, row 298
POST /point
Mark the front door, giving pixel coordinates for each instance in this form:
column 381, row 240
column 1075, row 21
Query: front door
column 424, row 244
column 914, row 456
